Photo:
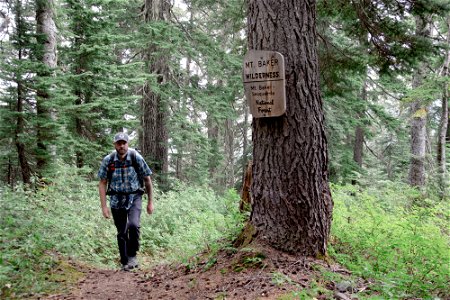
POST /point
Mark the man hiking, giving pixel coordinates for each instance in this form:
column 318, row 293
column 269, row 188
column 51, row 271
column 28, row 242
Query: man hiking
column 123, row 175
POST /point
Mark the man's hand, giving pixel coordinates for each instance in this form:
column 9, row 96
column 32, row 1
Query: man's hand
column 150, row 207
column 149, row 189
column 102, row 192
column 105, row 212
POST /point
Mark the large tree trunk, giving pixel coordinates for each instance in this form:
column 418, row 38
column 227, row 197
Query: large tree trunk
column 154, row 134
column 292, row 200
column 418, row 122
column 46, row 53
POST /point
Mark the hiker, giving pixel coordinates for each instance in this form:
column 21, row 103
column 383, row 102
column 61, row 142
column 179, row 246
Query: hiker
column 123, row 175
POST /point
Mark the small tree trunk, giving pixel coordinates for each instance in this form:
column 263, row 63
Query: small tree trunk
column 418, row 124
column 359, row 143
column 213, row 135
column 46, row 53
column 444, row 126
column 20, row 123
column 359, row 131
column 229, row 150
column 21, row 152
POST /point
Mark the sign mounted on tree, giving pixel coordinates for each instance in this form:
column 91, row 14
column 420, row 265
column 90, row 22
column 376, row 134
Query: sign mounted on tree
column 264, row 83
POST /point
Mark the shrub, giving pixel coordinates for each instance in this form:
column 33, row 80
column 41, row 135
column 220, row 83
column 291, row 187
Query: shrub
column 378, row 234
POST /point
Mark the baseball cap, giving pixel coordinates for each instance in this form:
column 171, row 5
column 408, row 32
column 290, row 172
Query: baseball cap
column 121, row 137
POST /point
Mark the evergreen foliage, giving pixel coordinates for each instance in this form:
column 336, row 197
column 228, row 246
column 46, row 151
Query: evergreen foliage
column 382, row 228
column 99, row 79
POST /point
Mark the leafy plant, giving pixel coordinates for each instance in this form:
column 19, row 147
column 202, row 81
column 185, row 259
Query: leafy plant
column 405, row 249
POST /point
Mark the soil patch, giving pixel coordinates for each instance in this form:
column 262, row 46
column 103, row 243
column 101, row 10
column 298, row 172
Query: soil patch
column 255, row 272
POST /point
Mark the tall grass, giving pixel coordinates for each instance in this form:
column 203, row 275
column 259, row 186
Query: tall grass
column 379, row 234
column 65, row 220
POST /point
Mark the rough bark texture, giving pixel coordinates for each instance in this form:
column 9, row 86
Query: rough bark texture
column 418, row 123
column 154, row 134
column 292, row 200
column 246, row 198
column 46, row 53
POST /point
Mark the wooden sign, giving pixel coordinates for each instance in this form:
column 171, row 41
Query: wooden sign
column 264, row 83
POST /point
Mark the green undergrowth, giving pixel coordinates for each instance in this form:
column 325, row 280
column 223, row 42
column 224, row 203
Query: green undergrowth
column 391, row 235
column 190, row 219
column 379, row 234
column 64, row 220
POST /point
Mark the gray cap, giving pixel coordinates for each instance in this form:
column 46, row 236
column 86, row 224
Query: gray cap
column 121, row 137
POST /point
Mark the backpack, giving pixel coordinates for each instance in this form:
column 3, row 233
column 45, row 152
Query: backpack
column 112, row 166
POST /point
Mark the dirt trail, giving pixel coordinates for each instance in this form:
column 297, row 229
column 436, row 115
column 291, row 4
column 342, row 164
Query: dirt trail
column 257, row 274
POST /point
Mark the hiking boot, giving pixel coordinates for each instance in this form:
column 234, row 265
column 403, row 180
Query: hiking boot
column 132, row 262
column 125, row 268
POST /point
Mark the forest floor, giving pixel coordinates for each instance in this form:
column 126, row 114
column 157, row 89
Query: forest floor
column 254, row 272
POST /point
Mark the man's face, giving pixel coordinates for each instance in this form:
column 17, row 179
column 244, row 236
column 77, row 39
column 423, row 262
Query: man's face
column 121, row 147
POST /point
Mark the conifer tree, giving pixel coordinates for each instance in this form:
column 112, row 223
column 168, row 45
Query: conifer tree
column 357, row 38
column 45, row 53
column 16, row 84
column 154, row 116
column 98, row 85
column 217, row 90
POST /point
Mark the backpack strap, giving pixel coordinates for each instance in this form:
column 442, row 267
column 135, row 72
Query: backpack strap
column 134, row 163
column 136, row 167
column 112, row 166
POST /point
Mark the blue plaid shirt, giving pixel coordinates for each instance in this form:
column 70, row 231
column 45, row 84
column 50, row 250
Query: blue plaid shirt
column 124, row 180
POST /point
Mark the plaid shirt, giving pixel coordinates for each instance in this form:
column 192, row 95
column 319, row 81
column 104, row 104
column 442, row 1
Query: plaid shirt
column 124, row 179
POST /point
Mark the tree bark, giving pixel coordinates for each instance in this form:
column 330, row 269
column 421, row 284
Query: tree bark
column 292, row 200
column 213, row 136
column 20, row 130
column 359, row 130
column 418, row 123
column 229, row 150
column 245, row 142
column 444, row 126
column 20, row 122
column 46, row 54
column 358, row 145
column 154, row 133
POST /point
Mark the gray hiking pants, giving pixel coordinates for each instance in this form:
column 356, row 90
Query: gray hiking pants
column 128, row 229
